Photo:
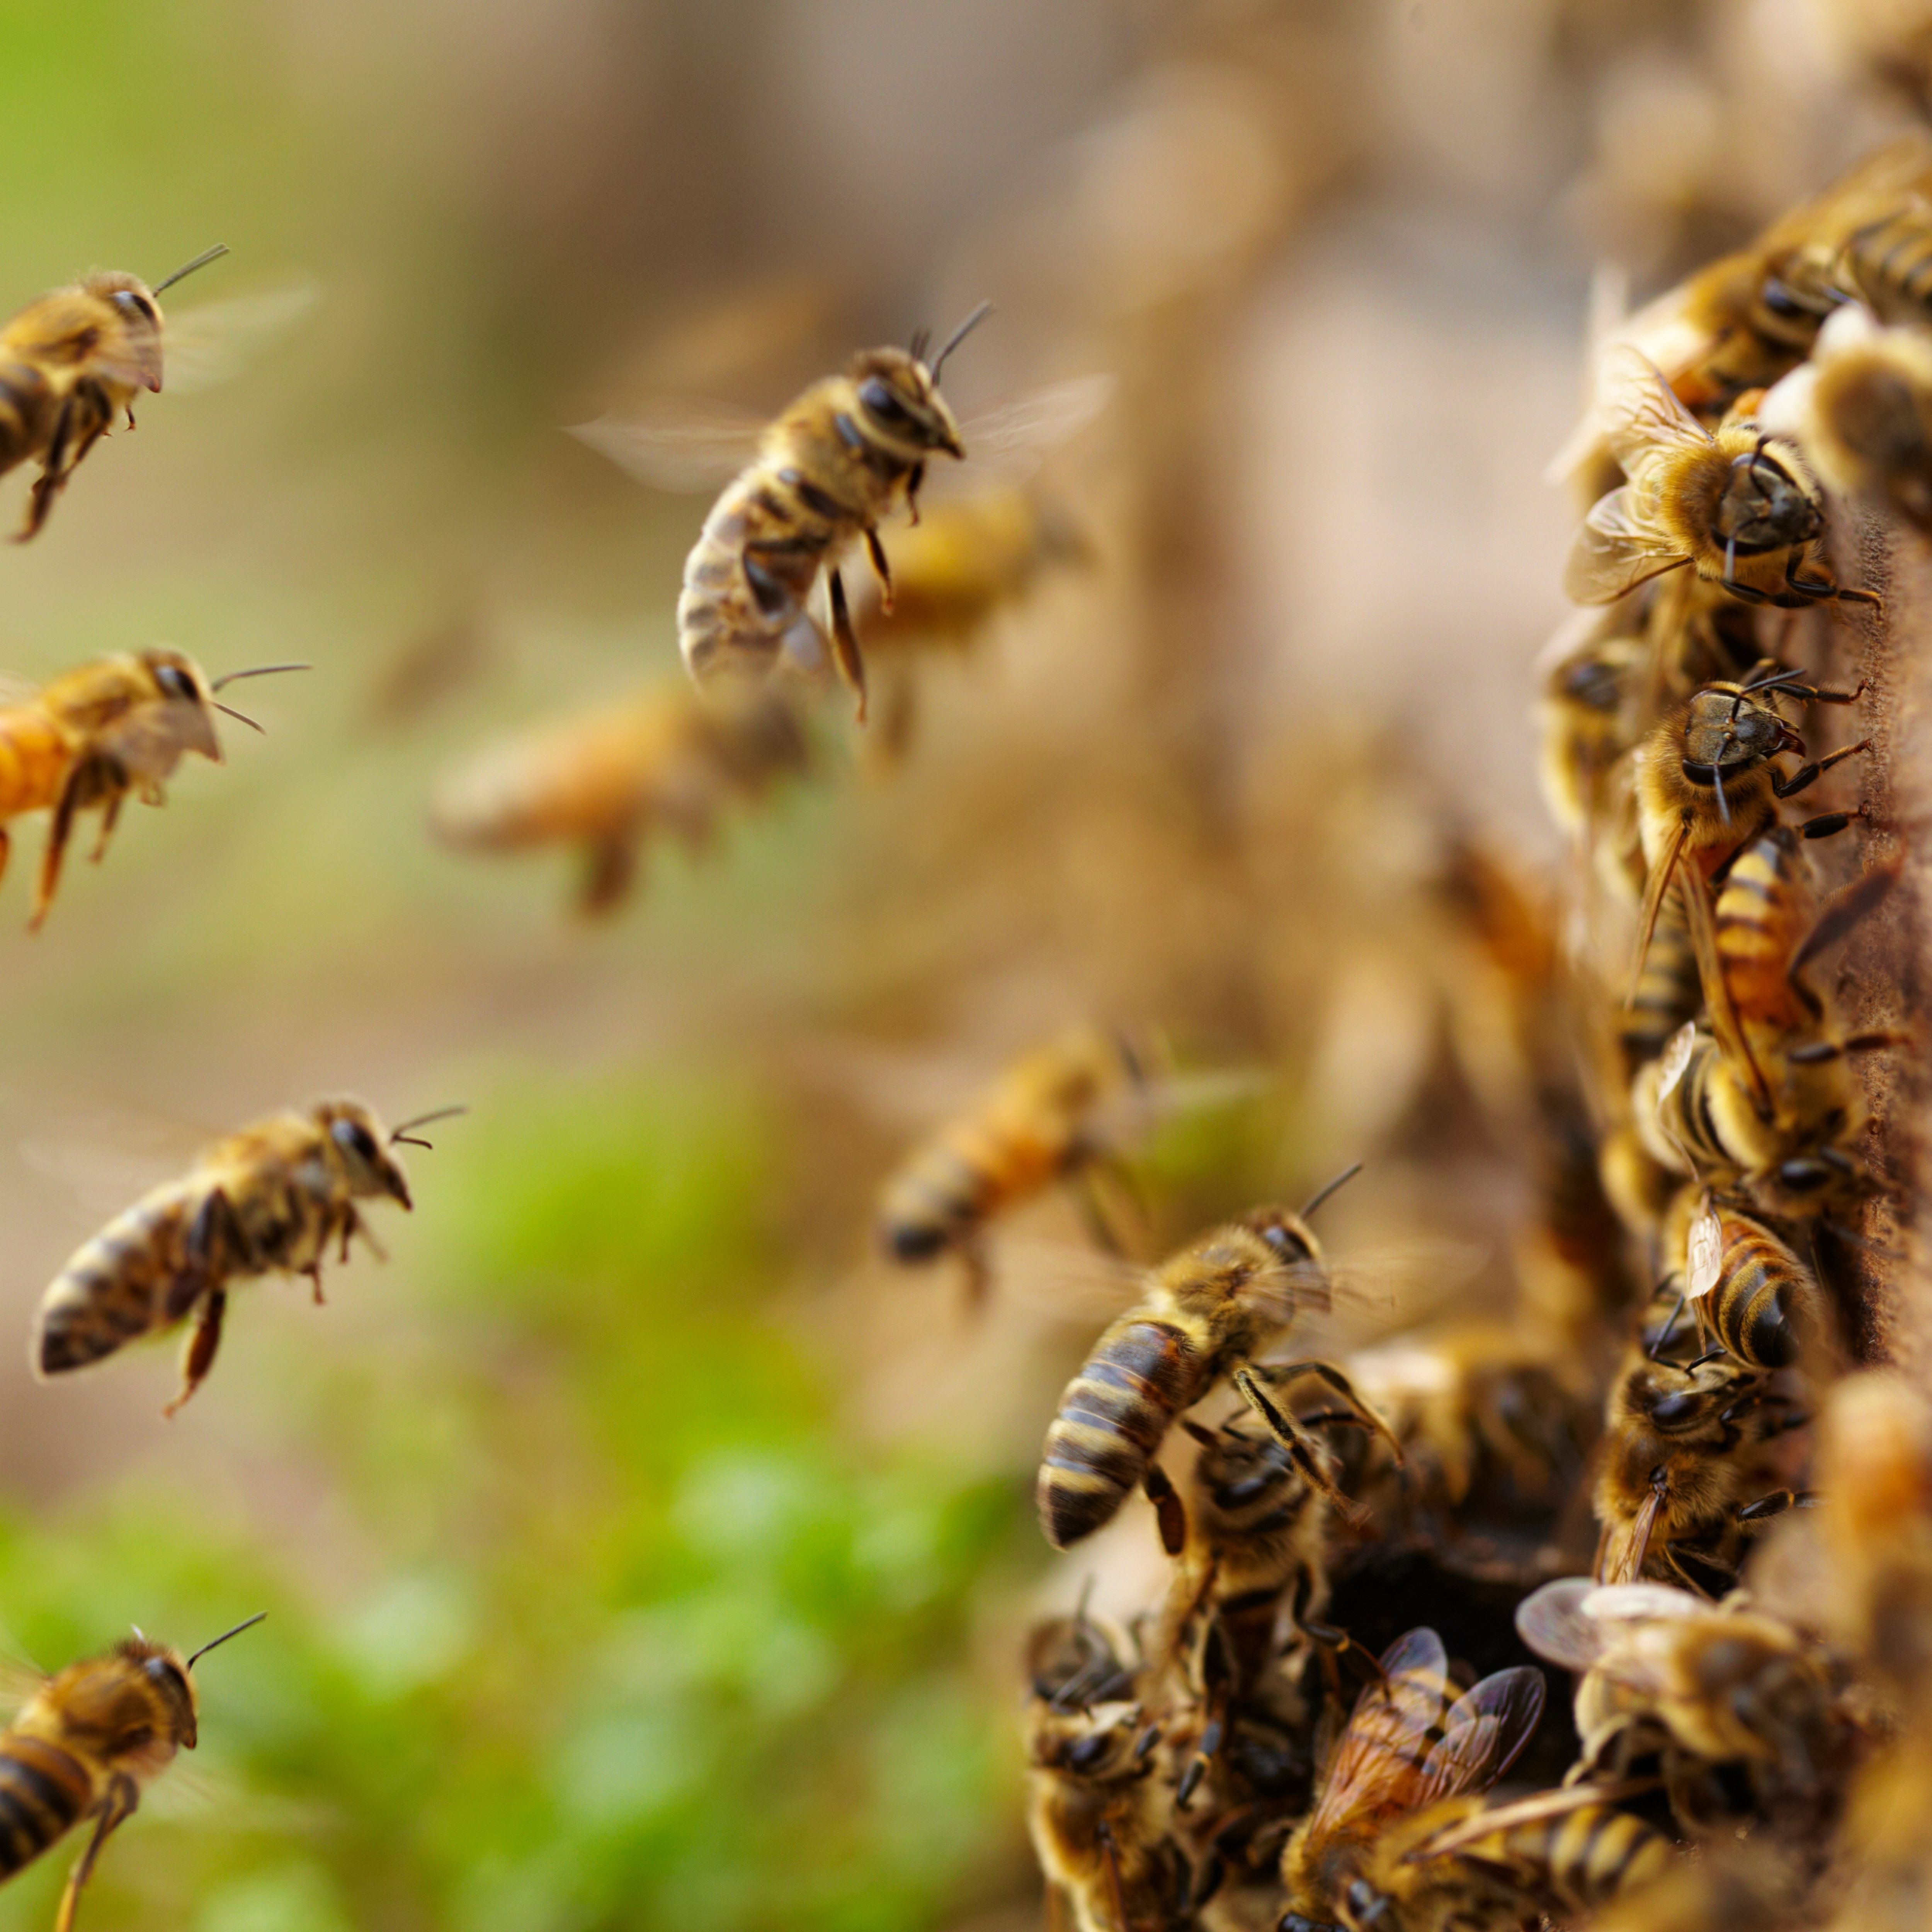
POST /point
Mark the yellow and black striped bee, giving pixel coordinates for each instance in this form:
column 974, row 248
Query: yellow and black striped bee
column 85, row 1743
column 269, row 1199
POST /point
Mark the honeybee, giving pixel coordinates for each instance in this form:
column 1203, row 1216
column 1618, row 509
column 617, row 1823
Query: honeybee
column 84, row 1744
column 1753, row 1297
column 1743, row 515
column 117, row 726
column 266, row 1199
column 1862, row 413
column 70, row 363
column 1667, row 993
column 1208, row 1312
column 1592, row 682
column 1045, row 1119
column 606, row 779
column 1099, row 1816
column 1682, row 1465
column 1410, row 1743
column 1465, row 1866
column 1703, row 1685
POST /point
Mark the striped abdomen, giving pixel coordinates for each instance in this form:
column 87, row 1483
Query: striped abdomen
column 129, row 1281
column 1583, row 1859
column 1687, row 1116
column 1666, row 993
column 1764, row 1293
column 957, row 1183
column 37, row 752
column 27, row 411
column 44, row 1791
column 1761, row 914
column 1143, row 1373
column 1891, row 263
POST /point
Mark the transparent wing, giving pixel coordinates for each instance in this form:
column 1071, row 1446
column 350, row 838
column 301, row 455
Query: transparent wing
column 1007, row 443
column 1703, row 1255
column 1064, row 1279
column 1553, row 1622
column 106, row 1155
column 1484, row 1734
column 1612, row 1603
column 1373, row 1769
column 218, row 341
column 1612, row 553
column 1642, row 417
column 682, row 444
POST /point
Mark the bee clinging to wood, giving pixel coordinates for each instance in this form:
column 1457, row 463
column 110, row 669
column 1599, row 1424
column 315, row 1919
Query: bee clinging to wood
column 267, row 1199
column 92, row 736
column 70, row 363
column 84, row 1744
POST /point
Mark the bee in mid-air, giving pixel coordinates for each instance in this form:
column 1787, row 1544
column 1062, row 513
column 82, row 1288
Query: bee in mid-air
column 84, row 1744
column 608, row 779
column 1210, row 1312
column 267, row 1199
column 1047, row 1117
column 1744, row 515
column 92, row 736
column 72, row 362
column 1410, row 1742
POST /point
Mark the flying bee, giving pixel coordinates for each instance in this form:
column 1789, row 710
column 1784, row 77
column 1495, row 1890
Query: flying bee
column 1098, row 1816
column 1705, row 1685
column 93, row 736
column 1051, row 1116
column 70, row 363
column 1683, row 1464
column 268, row 1198
column 608, row 779
column 845, row 455
column 1463, row 1865
column 1410, row 1743
column 1209, row 1313
column 1741, row 514
column 85, row 1743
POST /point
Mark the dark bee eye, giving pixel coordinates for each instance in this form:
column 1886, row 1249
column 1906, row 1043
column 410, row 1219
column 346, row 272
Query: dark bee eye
column 352, row 1137
column 877, row 398
column 176, row 683
column 128, row 299
column 1676, row 1411
column 1089, row 1751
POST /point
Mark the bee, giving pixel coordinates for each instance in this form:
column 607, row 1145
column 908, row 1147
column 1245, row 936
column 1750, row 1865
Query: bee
column 1592, row 682
column 1667, row 993
column 70, row 363
column 1755, row 1299
column 1045, row 1119
column 1208, row 1312
column 1465, row 1866
column 1410, row 1742
column 84, row 1744
column 1742, row 515
column 1682, row 1455
column 267, row 1199
column 93, row 736
column 606, row 779
column 1706, row 1685
column 1099, row 1816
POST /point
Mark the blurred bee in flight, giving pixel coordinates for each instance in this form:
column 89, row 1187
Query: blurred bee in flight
column 269, row 1199
column 606, row 779
column 92, row 736
column 70, row 363
column 837, row 461
column 85, row 1742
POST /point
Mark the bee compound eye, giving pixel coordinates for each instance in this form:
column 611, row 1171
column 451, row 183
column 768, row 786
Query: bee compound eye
column 877, row 396
column 1676, row 1411
column 352, row 1137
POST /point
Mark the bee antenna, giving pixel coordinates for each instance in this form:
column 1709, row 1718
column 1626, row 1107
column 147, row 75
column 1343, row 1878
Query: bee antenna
column 958, row 336
column 1717, row 776
column 241, row 715
column 403, row 1134
column 247, row 1623
column 139, row 1632
column 201, row 261
column 256, row 670
column 916, row 347
column 1322, row 1194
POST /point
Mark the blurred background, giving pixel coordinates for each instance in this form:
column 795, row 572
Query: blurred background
column 641, row 1550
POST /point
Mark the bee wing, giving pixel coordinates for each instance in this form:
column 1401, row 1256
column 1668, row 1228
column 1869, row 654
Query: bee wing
column 1530, row 1810
column 1641, row 1603
column 1374, row 1766
column 1612, row 553
column 682, row 444
column 1007, row 443
column 106, row 1155
column 1551, row 1620
column 1484, row 1734
column 1415, row 1276
column 1643, row 419
column 1655, row 889
column 1621, row 1558
column 218, row 341
column 1063, row 1280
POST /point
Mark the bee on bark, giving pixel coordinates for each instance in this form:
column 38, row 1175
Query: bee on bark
column 86, row 1742
column 268, row 1199
column 70, row 363
column 608, row 779
column 1593, row 680
column 95, row 735
column 1208, row 1314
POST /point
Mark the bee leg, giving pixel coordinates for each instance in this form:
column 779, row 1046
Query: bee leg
column 47, row 485
column 1092, row 1211
column 913, row 484
column 1116, row 1889
column 1336, row 1643
column 313, row 1271
column 354, row 1224
column 978, row 1270
column 59, row 833
column 6, row 847
column 1305, row 1450
column 124, row 1795
column 881, row 569
column 1362, row 1414
column 109, row 812
column 613, row 866
column 845, row 643
column 1807, row 776
column 1170, row 1512
column 202, row 1342
column 1776, row 1504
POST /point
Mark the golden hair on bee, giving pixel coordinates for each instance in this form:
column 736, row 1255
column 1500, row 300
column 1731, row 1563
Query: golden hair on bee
column 70, row 363
column 266, row 1200
column 85, row 1743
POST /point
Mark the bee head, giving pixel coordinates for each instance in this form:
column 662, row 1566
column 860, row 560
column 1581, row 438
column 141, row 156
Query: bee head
column 137, row 316
column 164, row 1675
column 1728, row 732
column 358, row 1144
column 899, row 398
column 1765, row 505
column 1285, row 1232
column 183, row 691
